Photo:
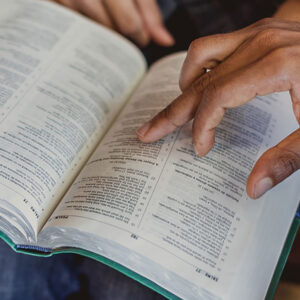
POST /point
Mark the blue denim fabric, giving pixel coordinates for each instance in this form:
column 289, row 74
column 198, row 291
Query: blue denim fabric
column 64, row 277
column 298, row 213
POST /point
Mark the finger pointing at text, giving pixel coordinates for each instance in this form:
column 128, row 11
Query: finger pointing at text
column 258, row 60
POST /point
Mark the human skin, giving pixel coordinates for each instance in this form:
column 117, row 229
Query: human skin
column 257, row 60
column 139, row 20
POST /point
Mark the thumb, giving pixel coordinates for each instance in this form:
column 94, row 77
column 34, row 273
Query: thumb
column 275, row 165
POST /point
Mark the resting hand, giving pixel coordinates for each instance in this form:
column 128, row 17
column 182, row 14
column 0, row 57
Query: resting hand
column 139, row 20
column 257, row 60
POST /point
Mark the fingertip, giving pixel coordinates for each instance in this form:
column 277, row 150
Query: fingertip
column 250, row 185
column 141, row 132
column 259, row 179
column 203, row 141
column 155, row 129
column 251, row 193
column 203, row 145
column 162, row 36
column 200, row 149
column 148, row 137
column 261, row 187
column 143, row 139
column 145, row 133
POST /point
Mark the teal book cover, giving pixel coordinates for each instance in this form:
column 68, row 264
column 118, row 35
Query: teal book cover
column 44, row 252
column 284, row 256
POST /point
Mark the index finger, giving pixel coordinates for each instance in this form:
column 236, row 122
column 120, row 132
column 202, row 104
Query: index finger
column 180, row 111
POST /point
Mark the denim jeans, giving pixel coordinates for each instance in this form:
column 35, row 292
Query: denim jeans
column 64, row 277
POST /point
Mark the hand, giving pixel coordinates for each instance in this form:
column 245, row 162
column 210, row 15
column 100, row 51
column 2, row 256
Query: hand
column 139, row 20
column 257, row 60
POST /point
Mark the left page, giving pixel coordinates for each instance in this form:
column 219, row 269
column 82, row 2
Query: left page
column 63, row 79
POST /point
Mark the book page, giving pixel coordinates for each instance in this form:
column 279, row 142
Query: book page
column 63, row 79
column 182, row 221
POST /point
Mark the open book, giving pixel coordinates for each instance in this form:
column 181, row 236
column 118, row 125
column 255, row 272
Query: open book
column 74, row 176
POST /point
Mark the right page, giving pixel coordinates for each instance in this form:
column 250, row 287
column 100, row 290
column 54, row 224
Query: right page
column 182, row 221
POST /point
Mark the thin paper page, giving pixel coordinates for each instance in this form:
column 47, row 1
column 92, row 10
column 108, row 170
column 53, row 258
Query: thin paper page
column 279, row 207
column 188, row 214
column 63, row 80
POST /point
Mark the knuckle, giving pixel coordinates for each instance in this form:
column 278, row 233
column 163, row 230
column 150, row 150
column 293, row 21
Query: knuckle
column 199, row 85
column 194, row 47
column 264, row 22
column 201, row 44
column 268, row 36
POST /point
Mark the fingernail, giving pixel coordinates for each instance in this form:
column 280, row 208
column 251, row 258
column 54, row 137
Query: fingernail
column 143, row 130
column 263, row 186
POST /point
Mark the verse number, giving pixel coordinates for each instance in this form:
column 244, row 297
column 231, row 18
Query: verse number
column 134, row 236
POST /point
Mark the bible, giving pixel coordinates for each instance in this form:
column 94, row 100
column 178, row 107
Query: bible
column 75, row 178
